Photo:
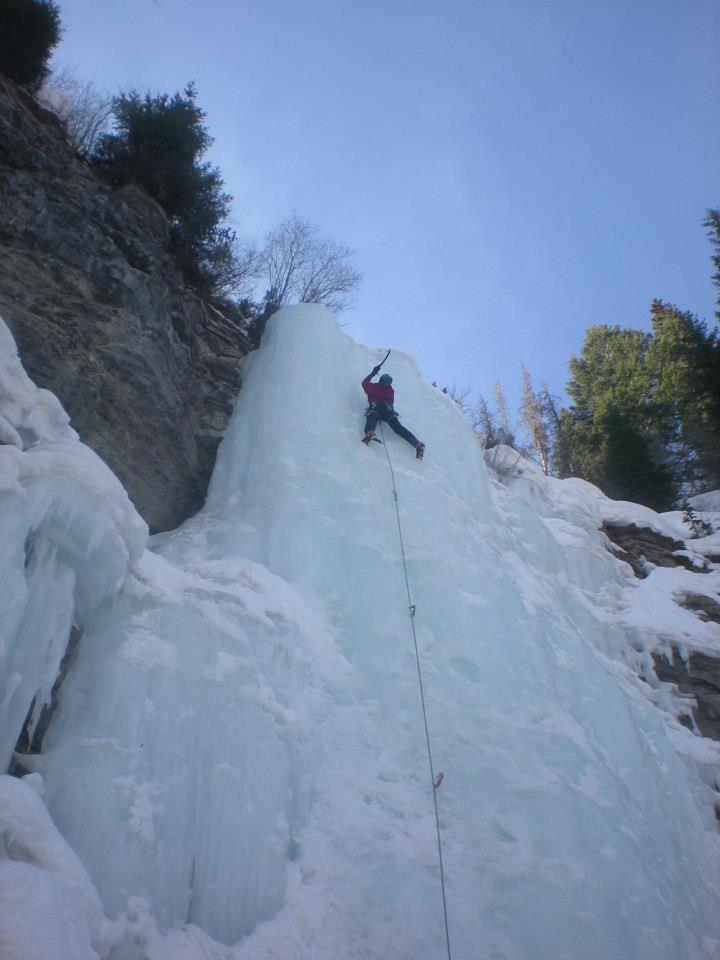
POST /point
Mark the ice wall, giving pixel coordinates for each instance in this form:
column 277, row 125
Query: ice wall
column 240, row 745
column 69, row 535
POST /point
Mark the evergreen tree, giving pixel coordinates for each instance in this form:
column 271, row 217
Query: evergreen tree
column 616, row 429
column 684, row 360
column 560, row 461
column 158, row 143
column 712, row 223
column 645, row 418
column 29, row 31
column 633, row 462
column 698, row 526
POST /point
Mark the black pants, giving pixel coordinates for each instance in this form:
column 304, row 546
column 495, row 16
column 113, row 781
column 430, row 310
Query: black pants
column 381, row 411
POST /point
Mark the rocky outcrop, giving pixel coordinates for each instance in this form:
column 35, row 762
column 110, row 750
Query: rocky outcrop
column 699, row 674
column 643, row 549
column 697, row 677
column 146, row 370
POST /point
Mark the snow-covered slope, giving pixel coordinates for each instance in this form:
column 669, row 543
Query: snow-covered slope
column 239, row 746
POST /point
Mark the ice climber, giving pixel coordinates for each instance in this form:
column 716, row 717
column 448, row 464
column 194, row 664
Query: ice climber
column 382, row 396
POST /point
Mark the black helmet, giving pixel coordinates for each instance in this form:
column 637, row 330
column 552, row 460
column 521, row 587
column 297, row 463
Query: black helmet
column 385, row 378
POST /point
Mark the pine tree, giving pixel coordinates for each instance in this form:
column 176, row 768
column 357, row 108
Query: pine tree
column 560, row 461
column 616, row 430
column 633, row 463
column 158, row 143
column 684, row 360
column 712, row 223
column 29, row 31
column 698, row 526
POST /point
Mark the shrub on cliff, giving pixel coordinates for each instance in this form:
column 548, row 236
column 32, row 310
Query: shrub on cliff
column 83, row 110
column 158, row 143
column 29, row 31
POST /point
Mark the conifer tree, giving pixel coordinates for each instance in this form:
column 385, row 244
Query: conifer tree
column 560, row 462
column 712, row 223
column 615, row 429
column 645, row 417
column 633, row 464
column 684, row 360
column 159, row 142
column 29, row 31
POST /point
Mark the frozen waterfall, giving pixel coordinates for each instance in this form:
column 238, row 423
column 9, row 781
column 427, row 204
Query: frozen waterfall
column 238, row 750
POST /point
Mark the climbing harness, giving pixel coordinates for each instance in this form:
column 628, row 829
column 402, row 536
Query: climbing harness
column 435, row 781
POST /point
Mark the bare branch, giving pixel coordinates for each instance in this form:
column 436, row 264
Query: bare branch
column 300, row 265
column 84, row 111
column 533, row 415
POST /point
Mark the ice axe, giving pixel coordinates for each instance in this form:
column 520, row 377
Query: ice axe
column 377, row 368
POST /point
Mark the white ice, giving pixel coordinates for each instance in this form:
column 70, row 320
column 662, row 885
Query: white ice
column 238, row 755
column 69, row 535
column 50, row 908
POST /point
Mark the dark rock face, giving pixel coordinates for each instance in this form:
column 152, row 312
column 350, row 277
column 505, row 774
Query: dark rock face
column 640, row 546
column 704, row 607
column 698, row 678
column 146, row 370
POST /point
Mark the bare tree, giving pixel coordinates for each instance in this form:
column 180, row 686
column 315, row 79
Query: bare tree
column 231, row 267
column 460, row 396
column 507, row 434
column 532, row 414
column 84, row 111
column 484, row 421
column 299, row 264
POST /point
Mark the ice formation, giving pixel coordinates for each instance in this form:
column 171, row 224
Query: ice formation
column 237, row 755
column 69, row 537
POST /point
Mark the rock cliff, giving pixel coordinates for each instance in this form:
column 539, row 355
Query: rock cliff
column 146, row 370
column 694, row 673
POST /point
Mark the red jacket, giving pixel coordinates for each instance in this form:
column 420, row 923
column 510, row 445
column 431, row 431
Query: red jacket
column 378, row 392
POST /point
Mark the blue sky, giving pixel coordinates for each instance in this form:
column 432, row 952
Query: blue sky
column 508, row 171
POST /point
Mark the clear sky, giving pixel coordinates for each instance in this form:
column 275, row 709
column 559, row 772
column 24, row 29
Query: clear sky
column 508, row 171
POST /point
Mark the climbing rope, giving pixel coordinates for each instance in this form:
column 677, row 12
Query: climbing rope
column 434, row 781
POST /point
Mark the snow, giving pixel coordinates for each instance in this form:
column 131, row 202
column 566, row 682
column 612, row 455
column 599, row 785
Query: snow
column 69, row 536
column 238, row 756
column 50, row 908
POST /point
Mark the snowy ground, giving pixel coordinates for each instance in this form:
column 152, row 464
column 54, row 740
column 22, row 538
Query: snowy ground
column 238, row 756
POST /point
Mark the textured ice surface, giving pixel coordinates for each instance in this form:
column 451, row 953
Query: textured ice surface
column 69, row 535
column 50, row 909
column 238, row 748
